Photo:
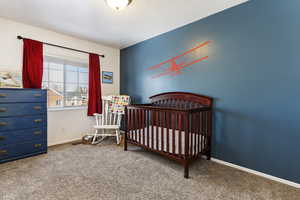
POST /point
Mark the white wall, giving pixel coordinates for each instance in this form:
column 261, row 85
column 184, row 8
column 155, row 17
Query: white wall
column 63, row 125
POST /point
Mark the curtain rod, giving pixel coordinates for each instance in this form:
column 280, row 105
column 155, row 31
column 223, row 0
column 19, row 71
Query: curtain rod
column 54, row 45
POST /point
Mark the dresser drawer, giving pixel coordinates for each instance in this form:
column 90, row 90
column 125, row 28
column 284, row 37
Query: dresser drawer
column 7, row 152
column 16, row 123
column 20, row 109
column 30, row 147
column 15, row 151
column 22, row 95
column 20, row 136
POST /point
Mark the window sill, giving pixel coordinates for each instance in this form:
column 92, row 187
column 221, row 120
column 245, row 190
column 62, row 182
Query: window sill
column 67, row 108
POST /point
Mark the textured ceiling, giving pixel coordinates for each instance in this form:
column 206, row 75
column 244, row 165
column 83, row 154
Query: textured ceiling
column 95, row 21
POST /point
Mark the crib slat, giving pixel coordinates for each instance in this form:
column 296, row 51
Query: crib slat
column 129, row 123
column 129, row 128
column 127, row 114
column 127, row 119
column 148, row 122
column 203, row 137
column 168, row 131
column 139, row 122
column 186, row 136
column 198, row 132
column 135, row 124
column 201, row 130
column 196, row 135
column 132, row 124
column 162, row 125
column 152, row 129
column 143, row 125
column 179, row 135
column 192, row 136
column 206, row 130
column 173, row 116
column 194, row 146
column 157, row 129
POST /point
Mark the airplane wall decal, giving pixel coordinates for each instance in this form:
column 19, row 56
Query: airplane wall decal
column 174, row 68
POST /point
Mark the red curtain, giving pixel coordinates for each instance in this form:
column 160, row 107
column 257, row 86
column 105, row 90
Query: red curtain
column 32, row 64
column 95, row 97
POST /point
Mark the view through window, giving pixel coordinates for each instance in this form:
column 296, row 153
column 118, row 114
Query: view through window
column 66, row 82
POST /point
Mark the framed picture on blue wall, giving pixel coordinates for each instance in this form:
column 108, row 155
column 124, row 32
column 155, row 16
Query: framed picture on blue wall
column 107, row 77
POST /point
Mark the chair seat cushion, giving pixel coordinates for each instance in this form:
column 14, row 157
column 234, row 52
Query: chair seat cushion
column 106, row 127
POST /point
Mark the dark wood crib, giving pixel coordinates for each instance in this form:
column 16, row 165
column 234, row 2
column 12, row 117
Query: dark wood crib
column 177, row 125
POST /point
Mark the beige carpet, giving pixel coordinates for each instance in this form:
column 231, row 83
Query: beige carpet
column 84, row 172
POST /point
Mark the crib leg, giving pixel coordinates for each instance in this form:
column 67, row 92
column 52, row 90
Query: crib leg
column 208, row 155
column 186, row 170
column 208, row 151
column 125, row 141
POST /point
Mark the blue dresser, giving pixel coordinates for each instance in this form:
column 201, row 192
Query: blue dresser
column 23, row 123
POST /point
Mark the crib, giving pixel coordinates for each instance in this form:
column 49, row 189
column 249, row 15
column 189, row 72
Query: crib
column 177, row 125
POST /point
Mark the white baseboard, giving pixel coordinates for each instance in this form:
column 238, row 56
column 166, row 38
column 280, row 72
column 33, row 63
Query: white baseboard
column 290, row 183
column 63, row 142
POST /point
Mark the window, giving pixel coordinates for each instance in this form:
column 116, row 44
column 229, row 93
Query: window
column 66, row 82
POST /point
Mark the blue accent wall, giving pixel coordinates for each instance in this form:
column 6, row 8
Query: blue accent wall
column 253, row 73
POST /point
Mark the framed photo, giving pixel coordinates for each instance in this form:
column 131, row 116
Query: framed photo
column 107, row 77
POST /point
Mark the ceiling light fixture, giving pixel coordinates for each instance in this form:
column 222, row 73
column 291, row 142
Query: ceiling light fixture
column 118, row 4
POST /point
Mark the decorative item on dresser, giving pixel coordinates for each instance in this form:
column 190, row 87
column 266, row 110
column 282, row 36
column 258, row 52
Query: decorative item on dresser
column 177, row 125
column 23, row 123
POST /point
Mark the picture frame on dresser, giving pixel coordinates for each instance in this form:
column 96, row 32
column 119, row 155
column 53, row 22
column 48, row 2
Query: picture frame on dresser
column 10, row 79
column 23, row 123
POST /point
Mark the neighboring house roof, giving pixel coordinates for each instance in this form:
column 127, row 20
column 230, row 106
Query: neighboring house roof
column 60, row 94
column 55, row 91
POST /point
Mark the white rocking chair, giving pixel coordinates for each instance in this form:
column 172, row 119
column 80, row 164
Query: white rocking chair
column 107, row 124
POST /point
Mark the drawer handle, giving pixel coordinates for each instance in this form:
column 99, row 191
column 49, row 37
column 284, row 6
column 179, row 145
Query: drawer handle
column 37, row 95
column 37, row 145
column 2, row 138
column 3, row 109
column 3, row 123
column 38, row 120
column 37, row 132
column 37, row 107
column 2, row 152
column 2, row 95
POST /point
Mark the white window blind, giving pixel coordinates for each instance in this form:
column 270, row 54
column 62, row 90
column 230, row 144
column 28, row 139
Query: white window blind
column 66, row 82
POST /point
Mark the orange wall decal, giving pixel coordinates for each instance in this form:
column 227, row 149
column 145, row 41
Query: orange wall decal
column 174, row 68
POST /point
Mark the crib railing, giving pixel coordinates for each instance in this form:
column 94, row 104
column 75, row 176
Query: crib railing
column 180, row 134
